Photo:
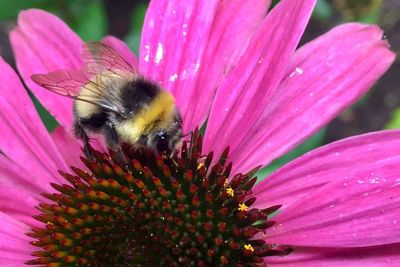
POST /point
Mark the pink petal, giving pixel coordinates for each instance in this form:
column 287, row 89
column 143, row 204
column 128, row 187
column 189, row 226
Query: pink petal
column 23, row 137
column 247, row 88
column 189, row 47
column 43, row 43
column 234, row 23
column 68, row 147
column 387, row 255
column 365, row 215
column 11, row 173
column 325, row 165
column 123, row 50
column 19, row 204
column 359, row 207
column 325, row 77
column 14, row 246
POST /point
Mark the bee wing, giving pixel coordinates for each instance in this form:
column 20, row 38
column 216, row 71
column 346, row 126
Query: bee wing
column 69, row 83
column 63, row 82
column 100, row 58
column 103, row 73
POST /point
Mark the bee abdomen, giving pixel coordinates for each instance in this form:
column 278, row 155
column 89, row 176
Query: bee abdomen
column 94, row 122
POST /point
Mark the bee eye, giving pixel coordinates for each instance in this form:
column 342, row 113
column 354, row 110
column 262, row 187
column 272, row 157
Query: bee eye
column 163, row 142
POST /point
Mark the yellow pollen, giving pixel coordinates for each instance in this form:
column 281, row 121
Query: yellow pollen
column 230, row 191
column 249, row 247
column 200, row 165
column 242, row 207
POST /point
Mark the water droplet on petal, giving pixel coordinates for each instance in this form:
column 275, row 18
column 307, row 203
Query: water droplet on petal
column 374, row 180
column 173, row 77
column 184, row 27
column 151, row 23
column 297, row 71
column 147, row 53
column 159, row 53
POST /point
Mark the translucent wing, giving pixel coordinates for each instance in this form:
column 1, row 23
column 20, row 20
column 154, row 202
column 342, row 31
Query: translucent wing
column 105, row 71
column 99, row 58
column 63, row 82
column 71, row 82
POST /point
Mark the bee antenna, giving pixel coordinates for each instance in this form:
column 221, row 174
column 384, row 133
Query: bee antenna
column 189, row 133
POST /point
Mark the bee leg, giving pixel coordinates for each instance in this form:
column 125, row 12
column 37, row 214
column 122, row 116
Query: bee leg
column 80, row 133
column 113, row 143
column 171, row 157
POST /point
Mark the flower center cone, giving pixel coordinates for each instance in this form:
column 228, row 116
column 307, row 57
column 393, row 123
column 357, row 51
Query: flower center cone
column 180, row 211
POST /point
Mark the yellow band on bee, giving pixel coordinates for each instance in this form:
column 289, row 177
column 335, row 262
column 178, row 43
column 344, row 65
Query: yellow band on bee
column 158, row 114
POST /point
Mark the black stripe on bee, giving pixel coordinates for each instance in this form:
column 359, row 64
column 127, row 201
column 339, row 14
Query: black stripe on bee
column 95, row 122
column 138, row 94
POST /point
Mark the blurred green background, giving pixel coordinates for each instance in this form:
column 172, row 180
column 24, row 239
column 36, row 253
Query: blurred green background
column 93, row 19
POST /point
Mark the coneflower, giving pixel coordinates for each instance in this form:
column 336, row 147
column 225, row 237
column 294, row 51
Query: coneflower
column 236, row 64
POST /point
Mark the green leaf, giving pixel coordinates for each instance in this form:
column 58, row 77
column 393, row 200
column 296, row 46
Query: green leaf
column 137, row 19
column 46, row 117
column 10, row 9
column 323, row 10
column 92, row 22
column 313, row 142
column 370, row 18
column 394, row 122
column 87, row 18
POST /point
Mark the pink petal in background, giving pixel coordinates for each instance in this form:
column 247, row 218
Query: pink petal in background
column 42, row 43
column 122, row 49
column 23, row 137
column 15, row 249
column 359, row 207
column 14, row 174
column 234, row 24
column 386, row 255
column 68, row 146
column 19, row 204
column 356, row 212
column 324, row 77
column 337, row 161
column 240, row 98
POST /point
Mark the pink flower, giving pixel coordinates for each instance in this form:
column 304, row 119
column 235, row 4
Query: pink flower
column 227, row 59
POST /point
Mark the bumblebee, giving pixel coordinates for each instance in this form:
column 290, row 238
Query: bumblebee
column 111, row 98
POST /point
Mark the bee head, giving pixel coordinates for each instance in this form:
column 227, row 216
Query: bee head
column 162, row 142
column 165, row 142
